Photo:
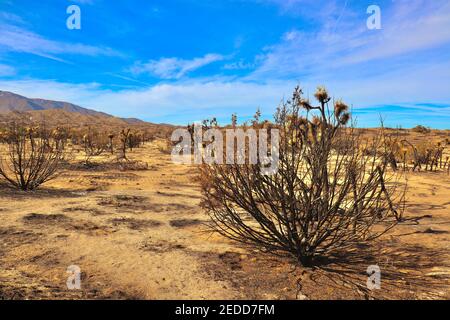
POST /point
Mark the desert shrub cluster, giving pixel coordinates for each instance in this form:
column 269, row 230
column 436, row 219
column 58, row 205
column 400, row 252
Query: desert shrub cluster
column 421, row 129
column 423, row 155
column 31, row 155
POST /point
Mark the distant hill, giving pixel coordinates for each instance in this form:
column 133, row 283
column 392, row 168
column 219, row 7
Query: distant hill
column 17, row 107
column 13, row 102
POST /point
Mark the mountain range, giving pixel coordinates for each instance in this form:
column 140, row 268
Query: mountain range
column 17, row 107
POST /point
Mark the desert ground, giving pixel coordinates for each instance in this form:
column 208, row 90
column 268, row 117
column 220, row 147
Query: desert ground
column 142, row 235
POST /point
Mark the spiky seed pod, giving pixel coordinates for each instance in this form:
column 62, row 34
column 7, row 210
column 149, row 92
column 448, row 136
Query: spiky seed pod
column 297, row 93
column 233, row 120
column 292, row 121
column 316, row 121
column 304, row 103
column 302, row 122
column 322, row 95
column 55, row 133
column 339, row 108
column 344, row 118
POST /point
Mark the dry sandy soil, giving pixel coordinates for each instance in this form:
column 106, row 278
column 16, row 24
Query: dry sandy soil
column 141, row 235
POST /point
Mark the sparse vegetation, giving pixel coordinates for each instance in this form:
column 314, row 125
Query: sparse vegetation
column 424, row 155
column 336, row 190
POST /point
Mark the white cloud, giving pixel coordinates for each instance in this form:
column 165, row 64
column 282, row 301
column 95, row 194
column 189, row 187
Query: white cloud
column 239, row 65
column 10, row 17
column 17, row 39
column 292, row 35
column 174, row 68
column 6, row 70
column 408, row 27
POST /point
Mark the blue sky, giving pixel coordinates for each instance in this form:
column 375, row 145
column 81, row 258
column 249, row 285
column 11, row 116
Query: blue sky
column 179, row 61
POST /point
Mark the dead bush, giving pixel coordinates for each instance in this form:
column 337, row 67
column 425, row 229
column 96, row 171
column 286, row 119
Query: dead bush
column 135, row 140
column 425, row 155
column 165, row 146
column 328, row 193
column 94, row 144
column 32, row 159
column 129, row 165
column 421, row 129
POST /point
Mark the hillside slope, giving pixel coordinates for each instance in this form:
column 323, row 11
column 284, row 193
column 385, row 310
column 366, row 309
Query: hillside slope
column 14, row 107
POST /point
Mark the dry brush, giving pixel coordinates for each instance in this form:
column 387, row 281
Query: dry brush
column 329, row 193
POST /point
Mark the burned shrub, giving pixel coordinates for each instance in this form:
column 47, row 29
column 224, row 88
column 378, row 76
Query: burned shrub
column 134, row 140
column 328, row 193
column 421, row 129
column 130, row 165
column 32, row 159
column 94, row 144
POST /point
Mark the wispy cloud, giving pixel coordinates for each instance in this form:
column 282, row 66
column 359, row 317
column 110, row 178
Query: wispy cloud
column 241, row 64
column 408, row 27
column 314, row 10
column 6, row 70
column 16, row 39
column 83, row 1
column 10, row 17
column 174, row 68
